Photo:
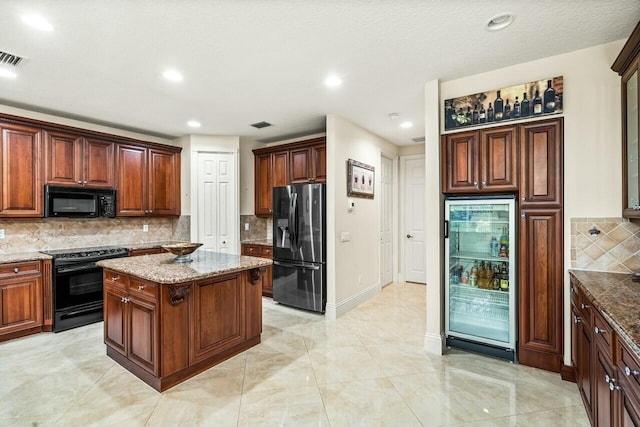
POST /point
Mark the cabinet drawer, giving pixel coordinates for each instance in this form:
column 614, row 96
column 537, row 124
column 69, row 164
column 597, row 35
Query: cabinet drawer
column 116, row 279
column 19, row 269
column 266, row 251
column 603, row 332
column 629, row 367
column 145, row 289
column 251, row 250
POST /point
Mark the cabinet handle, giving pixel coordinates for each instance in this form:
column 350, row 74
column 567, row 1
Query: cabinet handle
column 16, row 270
column 573, row 290
column 115, row 278
column 122, row 299
column 475, row 184
column 311, row 179
column 628, row 371
column 78, row 182
column 599, row 330
column 484, row 183
column 612, row 383
column 140, row 287
column 523, row 216
column 583, row 306
column 524, row 199
column 84, row 182
column 576, row 319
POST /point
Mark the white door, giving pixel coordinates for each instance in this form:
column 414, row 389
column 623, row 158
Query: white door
column 217, row 219
column 386, row 221
column 415, row 253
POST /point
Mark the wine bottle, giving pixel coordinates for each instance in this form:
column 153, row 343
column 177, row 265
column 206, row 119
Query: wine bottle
column 482, row 115
column 516, row 109
column 498, row 107
column 460, row 118
column 490, row 113
column 549, row 98
column 468, row 116
column 525, row 107
column 504, row 278
column 453, row 118
column 504, row 243
column 475, row 116
column 507, row 111
column 537, row 104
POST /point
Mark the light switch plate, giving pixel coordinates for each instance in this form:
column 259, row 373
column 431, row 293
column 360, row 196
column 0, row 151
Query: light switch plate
column 345, row 236
column 246, row 226
column 1, row 233
column 145, row 227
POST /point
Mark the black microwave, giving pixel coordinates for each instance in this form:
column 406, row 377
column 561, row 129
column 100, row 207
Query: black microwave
column 76, row 202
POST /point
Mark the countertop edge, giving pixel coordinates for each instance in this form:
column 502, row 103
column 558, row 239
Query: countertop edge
column 23, row 257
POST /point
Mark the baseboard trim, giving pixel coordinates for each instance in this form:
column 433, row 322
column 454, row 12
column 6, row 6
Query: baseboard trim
column 333, row 311
column 433, row 343
column 568, row 373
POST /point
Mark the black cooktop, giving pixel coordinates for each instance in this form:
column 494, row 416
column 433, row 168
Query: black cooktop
column 96, row 251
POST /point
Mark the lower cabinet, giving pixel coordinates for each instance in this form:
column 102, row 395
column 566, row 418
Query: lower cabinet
column 262, row 252
column 21, row 299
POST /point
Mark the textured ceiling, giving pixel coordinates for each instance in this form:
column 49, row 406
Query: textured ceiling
column 250, row 60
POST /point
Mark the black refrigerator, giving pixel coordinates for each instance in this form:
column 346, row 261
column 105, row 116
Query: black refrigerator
column 299, row 251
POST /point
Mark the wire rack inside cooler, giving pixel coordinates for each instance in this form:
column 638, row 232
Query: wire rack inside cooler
column 487, row 304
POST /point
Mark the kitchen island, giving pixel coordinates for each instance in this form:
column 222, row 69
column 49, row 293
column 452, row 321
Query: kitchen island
column 167, row 322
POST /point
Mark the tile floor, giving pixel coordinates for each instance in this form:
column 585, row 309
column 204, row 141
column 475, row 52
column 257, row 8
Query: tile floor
column 367, row 368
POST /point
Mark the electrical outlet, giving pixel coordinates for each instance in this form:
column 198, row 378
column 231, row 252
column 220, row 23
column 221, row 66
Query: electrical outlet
column 145, row 227
column 1, row 233
column 246, row 226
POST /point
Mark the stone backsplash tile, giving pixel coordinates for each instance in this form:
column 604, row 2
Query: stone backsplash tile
column 49, row 233
column 616, row 248
column 259, row 228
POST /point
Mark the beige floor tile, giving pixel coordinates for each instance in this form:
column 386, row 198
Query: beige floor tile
column 404, row 359
column 183, row 410
column 572, row 416
column 333, row 365
column 276, row 370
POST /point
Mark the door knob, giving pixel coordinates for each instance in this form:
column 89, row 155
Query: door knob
column 409, row 236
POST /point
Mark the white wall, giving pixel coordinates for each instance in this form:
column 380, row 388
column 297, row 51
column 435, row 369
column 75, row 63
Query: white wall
column 592, row 134
column 353, row 268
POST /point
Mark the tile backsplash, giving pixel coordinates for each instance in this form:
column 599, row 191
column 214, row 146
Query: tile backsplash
column 616, row 248
column 50, row 233
column 259, row 228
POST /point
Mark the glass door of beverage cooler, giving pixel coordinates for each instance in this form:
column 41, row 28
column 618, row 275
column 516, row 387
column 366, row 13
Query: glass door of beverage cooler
column 480, row 253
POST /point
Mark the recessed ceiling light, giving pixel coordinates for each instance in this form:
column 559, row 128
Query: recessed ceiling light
column 406, row 125
column 194, row 124
column 37, row 22
column 333, row 81
column 173, row 75
column 7, row 74
column 500, row 22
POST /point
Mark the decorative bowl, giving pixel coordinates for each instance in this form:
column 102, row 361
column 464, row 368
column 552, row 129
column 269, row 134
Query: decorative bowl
column 182, row 250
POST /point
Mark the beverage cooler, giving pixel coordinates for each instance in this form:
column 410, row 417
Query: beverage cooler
column 480, row 275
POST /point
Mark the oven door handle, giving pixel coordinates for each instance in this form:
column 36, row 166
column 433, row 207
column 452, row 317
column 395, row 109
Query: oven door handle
column 74, row 268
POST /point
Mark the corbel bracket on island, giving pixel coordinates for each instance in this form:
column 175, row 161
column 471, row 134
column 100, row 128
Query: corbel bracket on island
column 177, row 293
column 256, row 274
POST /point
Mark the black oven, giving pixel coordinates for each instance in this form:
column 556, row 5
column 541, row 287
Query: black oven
column 77, row 285
column 76, row 202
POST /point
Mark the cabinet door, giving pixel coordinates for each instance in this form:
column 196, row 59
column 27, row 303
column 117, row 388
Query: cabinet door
column 299, row 166
column 267, row 282
column 581, row 350
column 131, row 180
column 63, row 159
column 164, row 194
column 20, row 303
column 319, row 157
column 629, row 405
column 280, row 169
column 604, row 409
column 217, row 316
column 460, row 162
column 263, row 185
column 630, row 143
column 142, row 328
column 115, row 319
column 540, row 289
column 498, row 159
column 98, row 164
column 541, row 164
column 21, row 171
column 253, row 305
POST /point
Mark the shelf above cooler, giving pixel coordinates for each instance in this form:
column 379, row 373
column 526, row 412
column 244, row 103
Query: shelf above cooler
column 480, row 256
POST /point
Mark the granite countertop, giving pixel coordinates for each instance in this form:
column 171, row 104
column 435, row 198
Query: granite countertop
column 149, row 245
column 617, row 297
column 259, row 242
column 23, row 256
column 160, row 268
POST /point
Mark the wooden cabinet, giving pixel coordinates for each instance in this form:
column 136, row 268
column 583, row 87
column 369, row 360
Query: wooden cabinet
column 75, row 161
column 581, row 345
column 262, row 252
column 21, row 172
column 21, row 299
column 148, row 251
column 626, row 65
column 541, row 164
column 131, row 321
column 604, row 377
column 296, row 163
column 480, row 161
column 148, row 181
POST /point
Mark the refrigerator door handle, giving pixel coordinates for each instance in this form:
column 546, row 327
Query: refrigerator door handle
column 292, row 238
column 297, row 265
column 446, row 229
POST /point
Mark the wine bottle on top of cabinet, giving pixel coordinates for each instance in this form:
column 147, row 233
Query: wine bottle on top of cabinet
column 537, row 104
column 516, row 109
column 490, row 113
column 482, row 115
column 498, row 107
column 525, row 109
column 475, row 116
column 507, row 111
column 549, row 98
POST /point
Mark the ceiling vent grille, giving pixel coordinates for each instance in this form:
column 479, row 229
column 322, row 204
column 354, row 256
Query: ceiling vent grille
column 416, row 140
column 10, row 59
column 261, row 125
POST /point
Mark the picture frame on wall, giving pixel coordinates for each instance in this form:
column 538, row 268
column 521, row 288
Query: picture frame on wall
column 360, row 179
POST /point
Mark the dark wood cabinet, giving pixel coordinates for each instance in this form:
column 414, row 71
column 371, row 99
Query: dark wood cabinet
column 147, row 251
column 480, row 161
column 262, row 252
column 148, row 181
column 21, row 172
column 296, row 163
column 21, row 299
column 603, row 373
column 626, row 65
column 74, row 161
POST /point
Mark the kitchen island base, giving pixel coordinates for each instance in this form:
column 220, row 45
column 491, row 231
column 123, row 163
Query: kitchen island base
column 165, row 333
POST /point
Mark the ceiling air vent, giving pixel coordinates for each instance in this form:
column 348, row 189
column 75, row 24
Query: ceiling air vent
column 416, row 140
column 261, row 125
column 9, row 59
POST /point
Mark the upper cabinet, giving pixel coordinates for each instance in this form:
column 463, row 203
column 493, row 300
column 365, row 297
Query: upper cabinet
column 302, row 162
column 21, row 168
column 147, row 180
column 75, row 161
column 626, row 65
